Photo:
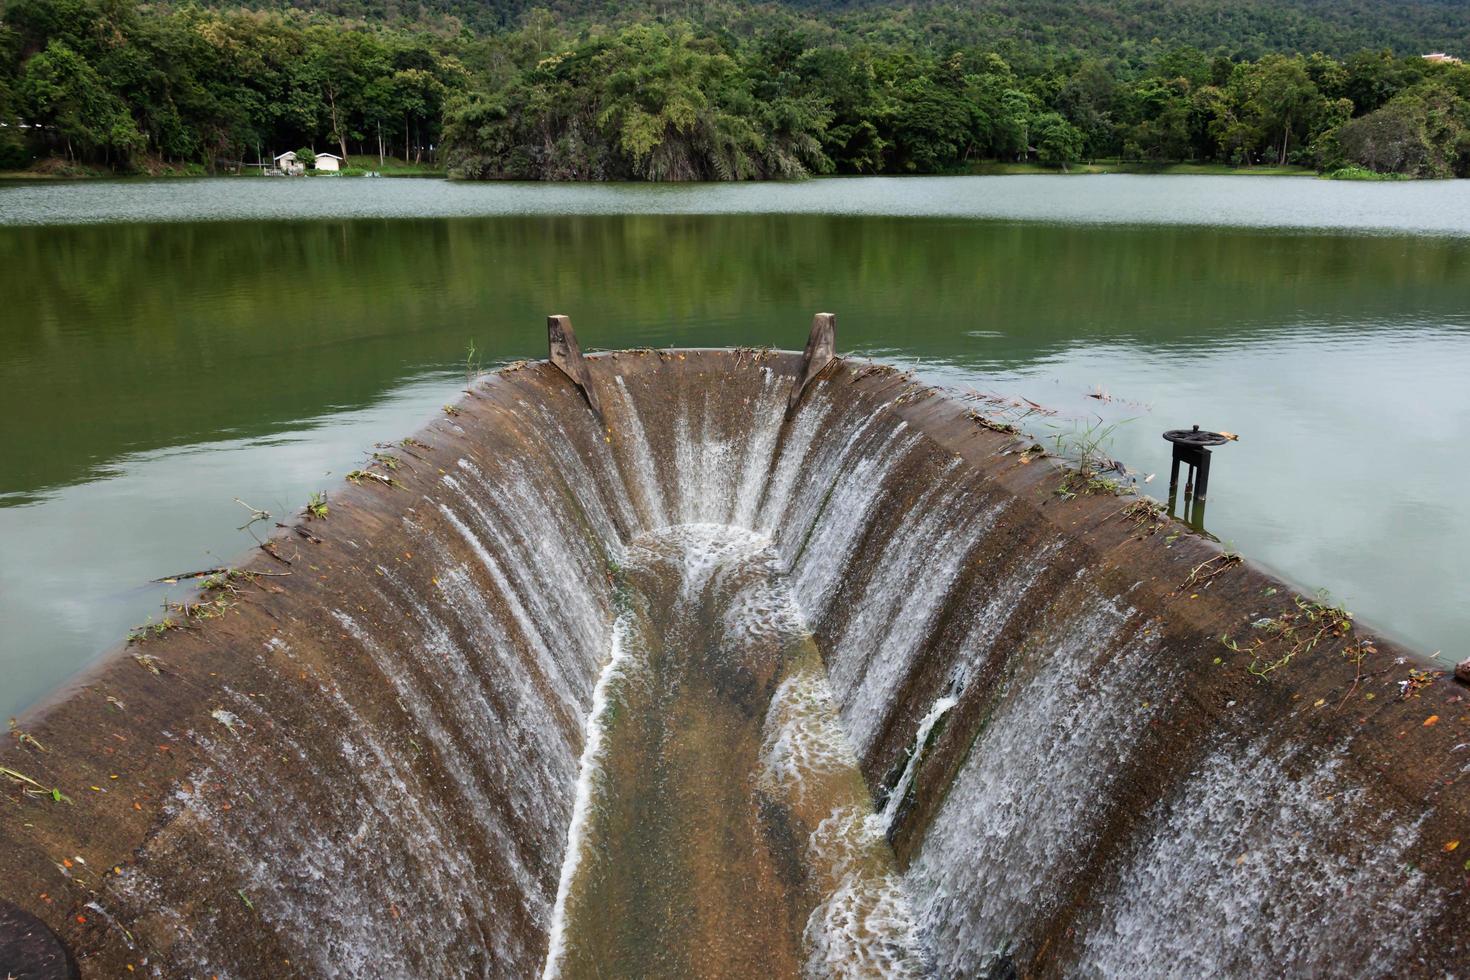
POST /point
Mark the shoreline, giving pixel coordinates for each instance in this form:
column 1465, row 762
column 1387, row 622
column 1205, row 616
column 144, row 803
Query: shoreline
column 985, row 169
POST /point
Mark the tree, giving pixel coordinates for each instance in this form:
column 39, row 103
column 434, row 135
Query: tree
column 1424, row 132
column 932, row 126
column 845, row 82
column 60, row 90
column 1282, row 99
column 1012, row 129
column 1161, row 112
column 1058, row 142
column 332, row 76
column 1088, row 99
column 1387, row 140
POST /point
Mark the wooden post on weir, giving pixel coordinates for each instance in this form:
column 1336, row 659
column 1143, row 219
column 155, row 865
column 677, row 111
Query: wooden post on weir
column 566, row 354
column 821, row 350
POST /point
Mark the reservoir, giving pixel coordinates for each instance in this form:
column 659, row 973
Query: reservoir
column 165, row 356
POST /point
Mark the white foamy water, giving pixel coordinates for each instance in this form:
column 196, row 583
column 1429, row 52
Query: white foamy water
column 819, row 548
column 895, row 615
column 860, row 922
column 803, row 738
column 1015, row 825
column 641, row 471
column 900, row 790
column 1248, row 871
column 864, row 926
column 491, row 677
column 589, row 772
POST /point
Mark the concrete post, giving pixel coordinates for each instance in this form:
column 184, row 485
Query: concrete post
column 821, row 350
column 566, row 354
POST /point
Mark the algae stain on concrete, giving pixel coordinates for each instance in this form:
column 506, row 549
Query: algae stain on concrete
column 728, row 831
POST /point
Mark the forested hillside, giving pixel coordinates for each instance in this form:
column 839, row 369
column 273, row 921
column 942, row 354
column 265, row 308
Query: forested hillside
column 720, row 90
column 1112, row 28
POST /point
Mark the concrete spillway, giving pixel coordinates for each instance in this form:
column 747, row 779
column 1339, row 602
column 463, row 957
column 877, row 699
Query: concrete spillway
column 691, row 688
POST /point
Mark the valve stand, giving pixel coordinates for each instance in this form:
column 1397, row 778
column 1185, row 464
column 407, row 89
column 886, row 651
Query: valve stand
column 1191, row 447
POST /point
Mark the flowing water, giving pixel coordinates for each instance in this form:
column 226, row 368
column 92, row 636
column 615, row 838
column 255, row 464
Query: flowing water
column 700, row 690
column 164, row 352
column 723, row 827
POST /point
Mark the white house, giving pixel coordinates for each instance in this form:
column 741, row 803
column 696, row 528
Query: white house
column 328, row 162
column 287, row 163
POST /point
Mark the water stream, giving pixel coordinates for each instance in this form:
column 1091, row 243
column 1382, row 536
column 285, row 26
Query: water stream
column 722, row 825
column 697, row 690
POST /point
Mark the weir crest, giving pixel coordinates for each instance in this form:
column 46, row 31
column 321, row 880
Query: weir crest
column 699, row 686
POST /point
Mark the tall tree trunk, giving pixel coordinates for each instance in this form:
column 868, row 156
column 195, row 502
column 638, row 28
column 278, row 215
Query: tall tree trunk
column 337, row 124
column 405, row 138
column 1285, row 137
column 380, row 144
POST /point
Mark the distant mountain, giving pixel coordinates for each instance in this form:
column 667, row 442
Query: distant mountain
column 1245, row 28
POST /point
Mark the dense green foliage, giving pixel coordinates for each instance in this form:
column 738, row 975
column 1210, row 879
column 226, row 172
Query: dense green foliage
column 108, row 81
column 1129, row 30
column 737, row 92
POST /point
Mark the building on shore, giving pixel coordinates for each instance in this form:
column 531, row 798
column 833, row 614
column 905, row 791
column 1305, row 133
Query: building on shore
column 1439, row 57
column 328, row 162
column 287, row 164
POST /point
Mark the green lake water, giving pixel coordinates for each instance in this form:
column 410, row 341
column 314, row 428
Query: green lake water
column 161, row 355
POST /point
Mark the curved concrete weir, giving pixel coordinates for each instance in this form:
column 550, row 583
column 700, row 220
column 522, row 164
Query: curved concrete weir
column 704, row 688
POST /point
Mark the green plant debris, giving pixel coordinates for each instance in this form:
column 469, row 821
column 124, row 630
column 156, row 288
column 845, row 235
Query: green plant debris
column 872, row 368
column 1093, row 471
column 245, row 899
column 471, row 364
column 410, row 446
column 203, row 609
column 30, row 787
column 1417, row 681
column 152, row 629
column 150, row 663
column 994, row 425
column 219, row 594
column 357, row 476
column 316, row 505
column 1297, row 631
column 388, row 460
column 752, row 355
column 23, row 737
column 1145, row 514
column 1357, row 653
column 913, row 393
column 451, row 411
column 229, row 580
column 1201, row 575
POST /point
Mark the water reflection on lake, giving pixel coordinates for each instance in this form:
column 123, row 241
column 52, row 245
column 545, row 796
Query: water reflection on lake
column 153, row 371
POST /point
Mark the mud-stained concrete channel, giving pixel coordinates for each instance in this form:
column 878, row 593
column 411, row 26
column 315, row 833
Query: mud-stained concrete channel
column 680, row 681
column 729, row 832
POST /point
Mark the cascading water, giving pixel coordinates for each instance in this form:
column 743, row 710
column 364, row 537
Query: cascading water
column 726, row 829
column 617, row 697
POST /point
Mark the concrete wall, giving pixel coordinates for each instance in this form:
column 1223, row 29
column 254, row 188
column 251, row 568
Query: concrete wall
column 365, row 764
